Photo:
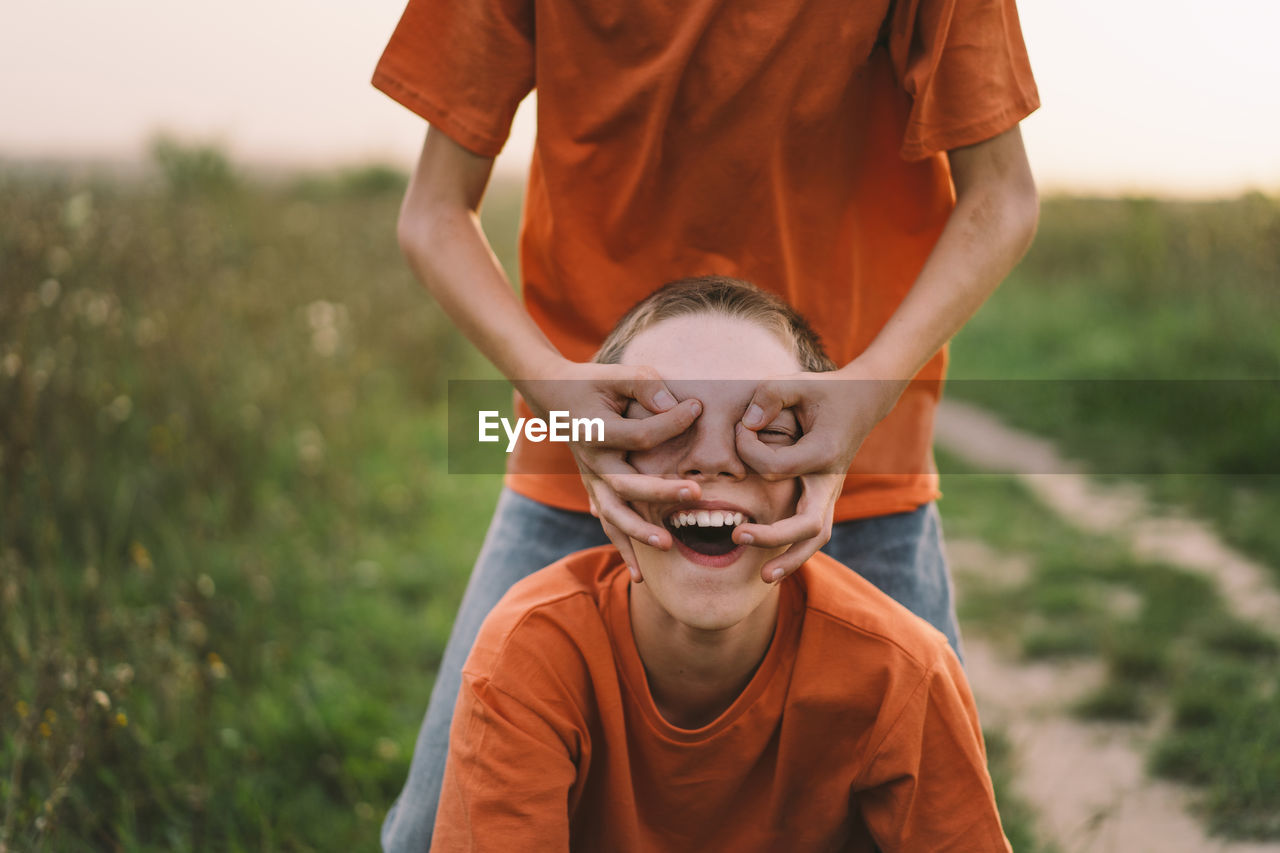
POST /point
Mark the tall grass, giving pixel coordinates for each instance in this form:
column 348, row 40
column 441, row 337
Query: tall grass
column 228, row 553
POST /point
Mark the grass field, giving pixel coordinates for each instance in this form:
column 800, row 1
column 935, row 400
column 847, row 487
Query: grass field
column 230, row 554
column 229, row 550
column 1142, row 337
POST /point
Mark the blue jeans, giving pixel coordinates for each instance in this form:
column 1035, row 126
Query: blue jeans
column 901, row 554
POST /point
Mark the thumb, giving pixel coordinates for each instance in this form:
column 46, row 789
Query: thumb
column 770, row 398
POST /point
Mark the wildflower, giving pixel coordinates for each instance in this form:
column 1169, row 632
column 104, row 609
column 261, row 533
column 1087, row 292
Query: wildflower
column 120, row 408
column 22, row 709
column 101, row 697
column 122, row 672
column 141, row 557
column 78, row 210
column 217, row 668
column 387, row 749
column 49, row 290
column 45, row 730
column 121, row 720
column 310, row 444
column 50, row 715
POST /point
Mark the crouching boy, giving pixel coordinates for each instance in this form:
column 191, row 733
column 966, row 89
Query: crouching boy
column 702, row 709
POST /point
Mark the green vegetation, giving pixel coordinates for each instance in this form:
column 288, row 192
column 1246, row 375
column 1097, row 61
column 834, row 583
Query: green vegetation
column 1176, row 304
column 1166, row 639
column 229, row 554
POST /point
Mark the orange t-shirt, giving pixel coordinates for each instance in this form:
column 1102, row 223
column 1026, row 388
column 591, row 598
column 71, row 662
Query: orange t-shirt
column 793, row 143
column 858, row 728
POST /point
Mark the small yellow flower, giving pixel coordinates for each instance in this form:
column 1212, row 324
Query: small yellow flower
column 45, row 730
column 50, row 715
column 141, row 556
column 121, row 720
column 217, row 668
column 22, row 709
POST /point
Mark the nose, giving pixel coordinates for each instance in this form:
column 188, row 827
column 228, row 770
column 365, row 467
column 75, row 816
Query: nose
column 711, row 452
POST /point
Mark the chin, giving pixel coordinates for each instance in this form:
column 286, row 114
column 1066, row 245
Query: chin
column 707, row 599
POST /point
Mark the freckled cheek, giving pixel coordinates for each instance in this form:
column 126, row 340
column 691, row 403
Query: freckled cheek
column 660, row 461
column 783, row 496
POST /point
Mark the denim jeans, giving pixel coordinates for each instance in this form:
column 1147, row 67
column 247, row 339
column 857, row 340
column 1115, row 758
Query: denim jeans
column 901, row 554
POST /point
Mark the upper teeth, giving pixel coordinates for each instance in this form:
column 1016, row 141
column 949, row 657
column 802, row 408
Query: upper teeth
column 707, row 518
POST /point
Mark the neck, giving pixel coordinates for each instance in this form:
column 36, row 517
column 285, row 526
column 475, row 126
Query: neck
column 696, row 674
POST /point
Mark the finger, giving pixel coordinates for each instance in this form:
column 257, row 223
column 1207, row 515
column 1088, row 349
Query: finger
column 788, row 531
column 648, row 389
column 623, row 543
column 646, row 433
column 815, row 452
column 614, row 511
column 644, row 488
column 814, row 512
column 770, row 398
column 615, row 473
column 793, row 558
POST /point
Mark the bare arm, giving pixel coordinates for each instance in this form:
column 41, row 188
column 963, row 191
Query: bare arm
column 987, row 233
column 440, row 234
column 441, row 237
column 994, row 219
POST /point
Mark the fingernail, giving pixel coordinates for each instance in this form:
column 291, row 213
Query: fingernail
column 754, row 416
column 635, row 575
column 685, row 494
column 664, row 400
column 653, row 540
column 777, row 575
column 697, row 408
column 746, row 539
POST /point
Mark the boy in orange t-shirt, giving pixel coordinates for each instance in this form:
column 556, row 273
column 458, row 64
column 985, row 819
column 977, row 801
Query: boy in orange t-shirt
column 704, row 709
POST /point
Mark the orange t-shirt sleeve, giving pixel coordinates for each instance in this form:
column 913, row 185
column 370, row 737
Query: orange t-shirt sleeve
column 463, row 65
column 507, row 779
column 927, row 786
column 964, row 65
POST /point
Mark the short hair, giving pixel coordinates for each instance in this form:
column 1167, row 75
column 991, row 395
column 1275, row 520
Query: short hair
column 729, row 297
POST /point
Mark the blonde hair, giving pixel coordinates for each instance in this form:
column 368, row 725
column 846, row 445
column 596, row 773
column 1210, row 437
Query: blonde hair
column 722, row 295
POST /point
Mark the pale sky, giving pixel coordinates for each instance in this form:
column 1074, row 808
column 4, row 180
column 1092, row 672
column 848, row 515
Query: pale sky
column 1168, row 97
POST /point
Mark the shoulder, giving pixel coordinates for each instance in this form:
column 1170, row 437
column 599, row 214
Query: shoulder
column 550, row 622
column 849, row 610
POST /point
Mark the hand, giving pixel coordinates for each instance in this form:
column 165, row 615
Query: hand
column 604, row 391
column 836, row 412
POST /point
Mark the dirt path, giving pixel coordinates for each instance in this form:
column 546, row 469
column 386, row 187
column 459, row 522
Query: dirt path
column 981, row 440
column 1087, row 781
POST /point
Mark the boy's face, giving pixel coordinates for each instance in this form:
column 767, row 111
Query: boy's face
column 706, row 581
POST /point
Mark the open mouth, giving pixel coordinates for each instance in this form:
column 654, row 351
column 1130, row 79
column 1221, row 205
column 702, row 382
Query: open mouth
column 708, row 532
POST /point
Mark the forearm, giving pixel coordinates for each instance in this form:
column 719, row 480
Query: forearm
column 987, row 233
column 449, row 254
column 442, row 240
